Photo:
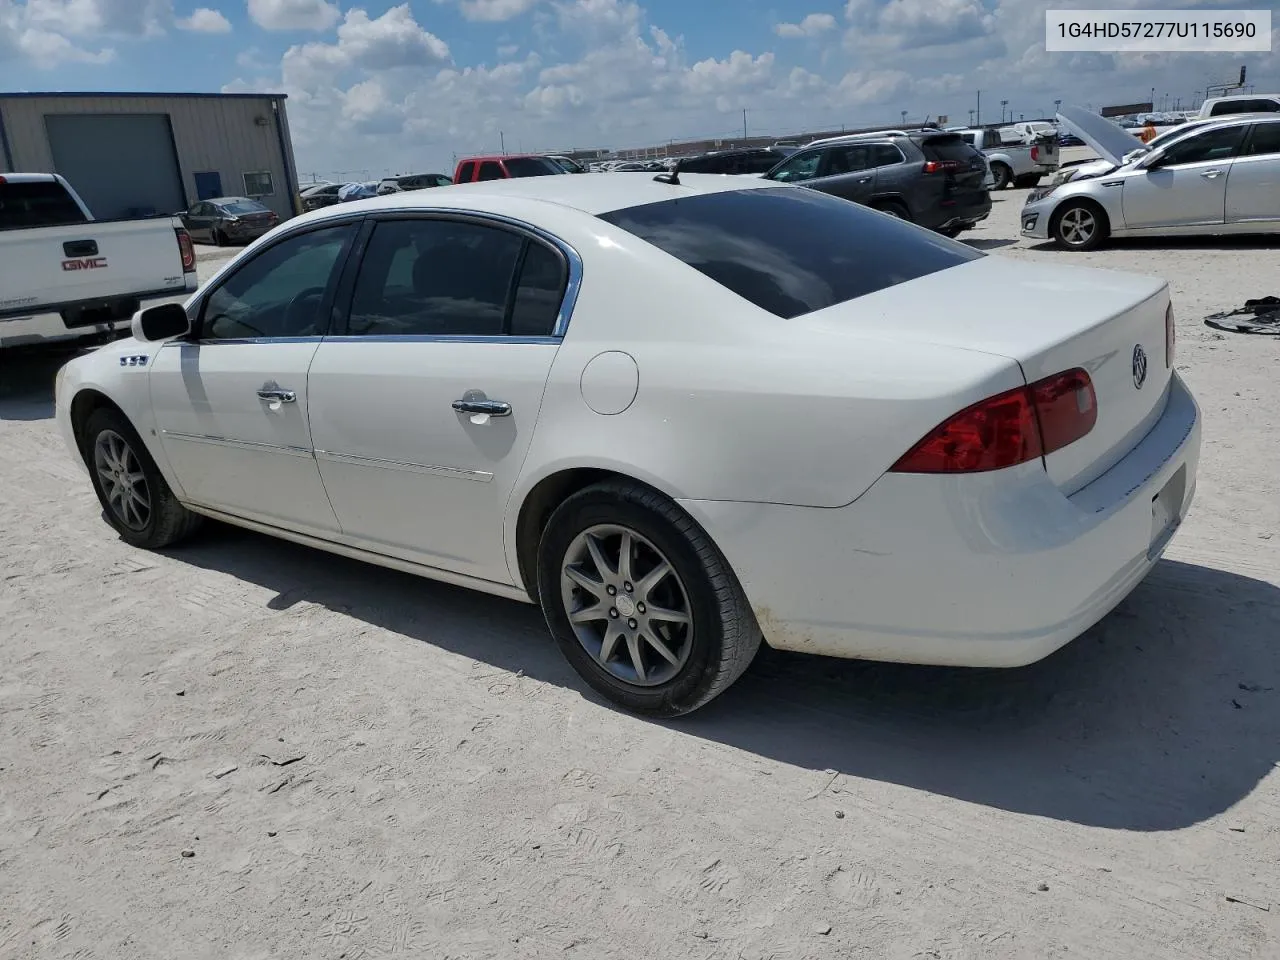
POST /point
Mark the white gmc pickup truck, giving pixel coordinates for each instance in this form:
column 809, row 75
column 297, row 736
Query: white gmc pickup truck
column 65, row 275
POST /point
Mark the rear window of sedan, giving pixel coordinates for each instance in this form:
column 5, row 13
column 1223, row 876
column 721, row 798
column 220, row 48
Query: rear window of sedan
column 790, row 250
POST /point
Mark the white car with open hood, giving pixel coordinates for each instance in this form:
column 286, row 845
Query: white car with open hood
column 1221, row 177
column 681, row 414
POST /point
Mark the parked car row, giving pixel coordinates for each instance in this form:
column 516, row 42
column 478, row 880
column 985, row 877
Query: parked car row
column 1212, row 176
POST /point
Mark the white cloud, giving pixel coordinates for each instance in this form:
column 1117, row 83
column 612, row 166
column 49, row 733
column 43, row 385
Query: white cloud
column 204, row 20
column 48, row 50
column 493, row 11
column 294, row 14
column 815, row 24
column 125, row 18
column 392, row 40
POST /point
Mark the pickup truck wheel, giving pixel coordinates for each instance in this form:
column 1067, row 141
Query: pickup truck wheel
column 1003, row 175
column 135, row 498
column 641, row 602
column 1079, row 225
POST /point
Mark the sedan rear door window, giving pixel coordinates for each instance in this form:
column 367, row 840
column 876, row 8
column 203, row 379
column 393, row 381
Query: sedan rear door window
column 1265, row 139
column 790, row 252
column 426, row 277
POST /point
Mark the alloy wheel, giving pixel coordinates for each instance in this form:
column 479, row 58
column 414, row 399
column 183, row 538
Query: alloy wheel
column 627, row 605
column 123, row 482
column 1078, row 226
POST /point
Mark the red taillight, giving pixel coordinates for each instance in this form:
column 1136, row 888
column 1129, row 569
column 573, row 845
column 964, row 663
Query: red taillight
column 1009, row 428
column 1035, row 154
column 1066, row 407
column 941, row 166
column 1170, row 336
column 187, row 250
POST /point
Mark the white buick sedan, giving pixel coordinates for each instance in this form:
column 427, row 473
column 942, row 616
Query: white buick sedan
column 682, row 415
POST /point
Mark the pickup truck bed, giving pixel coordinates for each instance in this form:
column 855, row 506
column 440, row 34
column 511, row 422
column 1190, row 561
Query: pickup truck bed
column 65, row 275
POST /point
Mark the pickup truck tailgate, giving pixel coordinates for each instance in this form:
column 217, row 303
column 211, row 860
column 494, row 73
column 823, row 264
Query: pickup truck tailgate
column 1044, row 152
column 51, row 266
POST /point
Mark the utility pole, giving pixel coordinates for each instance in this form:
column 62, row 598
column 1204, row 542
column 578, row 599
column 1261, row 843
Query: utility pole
column 1057, row 105
column 744, row 123
column 904, row 118
column 1003, row 104
column 978, row 112
column 502, row 141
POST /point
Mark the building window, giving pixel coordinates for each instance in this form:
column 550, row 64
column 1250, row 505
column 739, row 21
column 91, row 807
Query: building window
column 258, row 184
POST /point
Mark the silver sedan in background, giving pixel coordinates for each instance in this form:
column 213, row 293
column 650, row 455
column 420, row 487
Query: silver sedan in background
column 1219, row 178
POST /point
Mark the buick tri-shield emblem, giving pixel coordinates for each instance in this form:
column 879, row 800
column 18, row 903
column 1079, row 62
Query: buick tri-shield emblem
column 1139, row 366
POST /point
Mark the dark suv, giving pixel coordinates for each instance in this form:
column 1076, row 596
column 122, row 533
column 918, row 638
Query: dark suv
column 751, row 160
column 930, row 178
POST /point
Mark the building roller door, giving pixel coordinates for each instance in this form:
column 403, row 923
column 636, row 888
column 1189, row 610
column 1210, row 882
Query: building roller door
column 122, row 165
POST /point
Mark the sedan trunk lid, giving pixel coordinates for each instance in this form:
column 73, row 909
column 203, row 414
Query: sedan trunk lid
column 1110, row 324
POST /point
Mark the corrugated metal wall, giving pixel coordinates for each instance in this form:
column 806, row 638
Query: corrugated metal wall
column 222, row 134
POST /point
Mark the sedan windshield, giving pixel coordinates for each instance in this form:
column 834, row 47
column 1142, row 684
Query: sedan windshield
column 790, row 250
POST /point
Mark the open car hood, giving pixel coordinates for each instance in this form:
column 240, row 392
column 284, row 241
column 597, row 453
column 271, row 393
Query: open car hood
column 1111, row 142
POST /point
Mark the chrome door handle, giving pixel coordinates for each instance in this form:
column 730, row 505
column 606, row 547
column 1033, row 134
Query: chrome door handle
column 494, row 408
column 1210, row 174
column 277, row 396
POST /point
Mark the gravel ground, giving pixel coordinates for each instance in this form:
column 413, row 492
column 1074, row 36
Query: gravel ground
column 243, row 749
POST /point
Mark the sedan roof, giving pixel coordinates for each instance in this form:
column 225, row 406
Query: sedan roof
column 596, row 194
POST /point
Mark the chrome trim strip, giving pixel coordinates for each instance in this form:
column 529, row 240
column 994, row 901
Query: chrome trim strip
column 240, row 444
column 438, row 338
column 457, row 473
column 214, row 343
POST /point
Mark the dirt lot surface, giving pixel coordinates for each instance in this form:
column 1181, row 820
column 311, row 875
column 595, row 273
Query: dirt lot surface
column 361, row 764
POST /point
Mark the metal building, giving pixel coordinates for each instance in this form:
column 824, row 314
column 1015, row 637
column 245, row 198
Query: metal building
column 137, row 154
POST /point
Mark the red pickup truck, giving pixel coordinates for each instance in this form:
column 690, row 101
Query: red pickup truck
column 472, row 169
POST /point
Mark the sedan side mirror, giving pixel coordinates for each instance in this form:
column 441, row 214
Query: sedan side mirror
column 1153, row 161
column 161, row 322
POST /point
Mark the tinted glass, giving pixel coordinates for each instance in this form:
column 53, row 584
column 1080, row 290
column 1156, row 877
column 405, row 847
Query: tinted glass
column 531, row 167
column 884, row 154
column 538, row 296
column 790, row 251
column 490, row 171
column 761, row 161
column 1265, row 139
column 466, row 172
column 705, row 165
column 279, row 292
column 847, row 160
column 1244, row 106
column 40, row 204
column 947, row 148
column 1211, row 145
column 801, row 167
column 434, row 277
column 241, row 207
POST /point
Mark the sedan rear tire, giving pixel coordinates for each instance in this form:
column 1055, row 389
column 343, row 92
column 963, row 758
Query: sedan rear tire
column 135, row 498
column 641, row 602
column 1079, row 225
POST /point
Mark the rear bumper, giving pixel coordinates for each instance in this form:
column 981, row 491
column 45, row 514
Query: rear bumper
column 983, row 570
column 968, row 211
column 51, row 327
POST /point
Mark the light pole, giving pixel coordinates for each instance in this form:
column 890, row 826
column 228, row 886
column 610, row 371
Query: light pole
column 1003, row 104
column 904, row 118
column 970, row 123
column 1057, row 105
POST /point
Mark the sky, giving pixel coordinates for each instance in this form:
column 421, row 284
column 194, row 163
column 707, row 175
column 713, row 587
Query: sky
column 377, row 88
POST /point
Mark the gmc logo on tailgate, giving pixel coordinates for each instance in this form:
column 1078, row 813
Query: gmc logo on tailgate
column 86, row 263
